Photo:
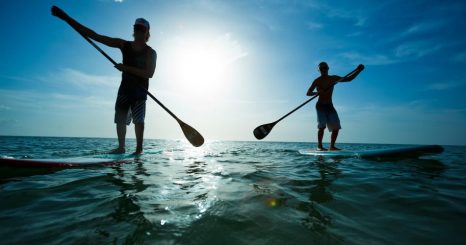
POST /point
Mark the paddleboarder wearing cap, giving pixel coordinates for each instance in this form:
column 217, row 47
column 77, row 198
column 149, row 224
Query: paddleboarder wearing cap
column 139, row 61
column 327, row 116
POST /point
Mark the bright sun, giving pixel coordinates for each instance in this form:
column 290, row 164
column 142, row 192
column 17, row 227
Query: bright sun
column 204, row 66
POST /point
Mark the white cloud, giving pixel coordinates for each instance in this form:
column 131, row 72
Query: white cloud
column 80, row 79
column 313, row 25
column 55, row 114
column 4, row 108
column 404, row 52
column 461, row 57
column 234, row 50
column 357, row 17
column 39, row 101
column 377, row 59
column 17, row 78
column 114, row 1
column 256, row 102
column 427, row 26
column 355, row 34
column 8, row 123
column 410, row 123
column 416, row 49
column 443, row 86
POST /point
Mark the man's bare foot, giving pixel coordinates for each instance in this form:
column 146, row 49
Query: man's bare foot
column 117, row 151
column 138, row 151
column 321, row 148
column 333, row 148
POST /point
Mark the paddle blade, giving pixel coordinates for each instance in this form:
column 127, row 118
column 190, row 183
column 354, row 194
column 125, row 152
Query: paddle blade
column 194, row 137
column 263, row 130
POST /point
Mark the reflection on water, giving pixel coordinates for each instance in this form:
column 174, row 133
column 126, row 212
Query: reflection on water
column 320, row 193
column 233, row 193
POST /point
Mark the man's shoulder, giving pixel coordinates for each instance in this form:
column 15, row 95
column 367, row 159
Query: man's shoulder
column 151, row 50
column 124, row 44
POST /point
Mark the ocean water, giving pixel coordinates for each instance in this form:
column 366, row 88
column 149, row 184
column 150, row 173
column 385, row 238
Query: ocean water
column 230, row 193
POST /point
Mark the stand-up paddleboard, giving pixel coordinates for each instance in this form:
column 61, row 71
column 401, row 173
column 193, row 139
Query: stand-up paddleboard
column 59, row 163
column 408, row 151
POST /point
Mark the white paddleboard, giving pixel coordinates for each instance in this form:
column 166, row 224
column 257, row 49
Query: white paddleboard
column 407, row 151
column 59, row 163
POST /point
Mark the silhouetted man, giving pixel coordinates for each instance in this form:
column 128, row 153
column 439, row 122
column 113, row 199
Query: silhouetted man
column 138, row 66
column 327, row 116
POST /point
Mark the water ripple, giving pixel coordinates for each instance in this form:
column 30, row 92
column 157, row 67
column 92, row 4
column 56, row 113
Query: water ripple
column 232, row 193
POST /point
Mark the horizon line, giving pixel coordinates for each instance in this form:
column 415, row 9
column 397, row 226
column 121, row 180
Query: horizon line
column 219, row 140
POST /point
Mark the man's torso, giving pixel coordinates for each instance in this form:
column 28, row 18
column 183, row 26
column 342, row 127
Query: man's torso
column 325, row 88
column 130, row 83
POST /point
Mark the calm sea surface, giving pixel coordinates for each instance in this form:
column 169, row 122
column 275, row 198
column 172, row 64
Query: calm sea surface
column 230, row 193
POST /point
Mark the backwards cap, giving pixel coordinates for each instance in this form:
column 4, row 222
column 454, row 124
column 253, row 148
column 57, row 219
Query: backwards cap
column 142, row 22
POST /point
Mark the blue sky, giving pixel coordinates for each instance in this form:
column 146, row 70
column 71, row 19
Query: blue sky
column 225, row 67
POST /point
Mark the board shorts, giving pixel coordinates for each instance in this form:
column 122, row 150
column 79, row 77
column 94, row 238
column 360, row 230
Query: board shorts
column 327, row 116
column 127, row 109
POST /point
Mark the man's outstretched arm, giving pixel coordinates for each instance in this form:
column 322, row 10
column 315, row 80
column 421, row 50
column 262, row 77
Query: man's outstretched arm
column 112, row 42
column 354, row 75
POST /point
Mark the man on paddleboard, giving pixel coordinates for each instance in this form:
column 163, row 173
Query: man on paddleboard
column 137, row 68
column 327, row 116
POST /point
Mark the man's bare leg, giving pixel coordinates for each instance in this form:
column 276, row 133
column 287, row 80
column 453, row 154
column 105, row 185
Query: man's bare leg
column 320, row 136
column 139, row 130
column 121, row 133
column 333, row 139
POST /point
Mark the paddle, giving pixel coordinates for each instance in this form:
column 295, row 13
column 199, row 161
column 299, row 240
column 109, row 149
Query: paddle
column 263, row 130
column 193, row 136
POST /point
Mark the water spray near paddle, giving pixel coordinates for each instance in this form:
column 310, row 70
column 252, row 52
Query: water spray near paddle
column 263, row 130
column 191, row 134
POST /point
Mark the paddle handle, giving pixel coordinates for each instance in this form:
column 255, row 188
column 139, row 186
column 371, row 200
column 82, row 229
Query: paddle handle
column 313, row 97
column 114, row 63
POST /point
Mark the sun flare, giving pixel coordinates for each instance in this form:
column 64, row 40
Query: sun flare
column 204, row 66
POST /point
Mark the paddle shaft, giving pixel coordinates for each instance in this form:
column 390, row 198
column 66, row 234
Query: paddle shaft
column 114, row 63
column 313, row 97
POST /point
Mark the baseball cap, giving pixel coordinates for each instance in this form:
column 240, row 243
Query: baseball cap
column 142, row 22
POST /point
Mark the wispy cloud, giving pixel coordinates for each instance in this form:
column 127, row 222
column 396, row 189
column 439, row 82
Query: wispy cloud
column 461, row 57
column 256, row 102
column 376, row 59
column 357, row 17
column 9, row 123
column 416, row 49
column 407, row 51
column 22, row 99
column 426, row 26
column 417, row 31
column 412, row 37
column 4, row 108
column 443, row 86
column 234, row 50
column 79, row 79
column 17, row 78
column 311, row 25
column 39, row 101
column 112, row 1
column 413, row 122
